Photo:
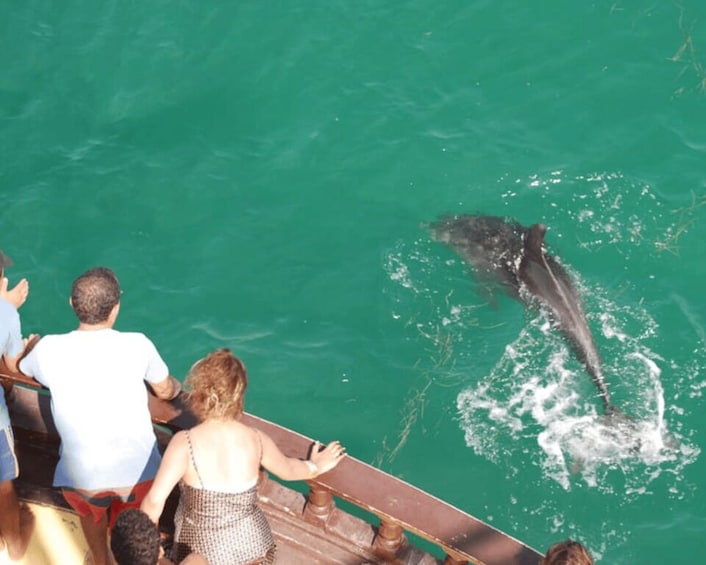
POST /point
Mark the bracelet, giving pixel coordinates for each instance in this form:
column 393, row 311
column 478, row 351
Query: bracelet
column 313, row 469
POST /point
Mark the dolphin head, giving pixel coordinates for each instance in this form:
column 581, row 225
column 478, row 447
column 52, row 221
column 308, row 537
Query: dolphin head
column 491, row 245
column 479, row 239
column 442, row 229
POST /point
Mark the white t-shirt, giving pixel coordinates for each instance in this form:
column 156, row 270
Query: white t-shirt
column 99, row 403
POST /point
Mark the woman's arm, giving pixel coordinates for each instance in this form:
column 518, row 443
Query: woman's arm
column 292, row 469
column 174, row 464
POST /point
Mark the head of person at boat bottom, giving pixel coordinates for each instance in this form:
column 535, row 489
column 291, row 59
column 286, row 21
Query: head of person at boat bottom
column 134, row 540
column 218, row 515
column 567, row 552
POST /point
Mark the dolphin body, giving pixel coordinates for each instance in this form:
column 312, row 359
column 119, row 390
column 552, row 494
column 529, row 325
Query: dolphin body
column 502, row 250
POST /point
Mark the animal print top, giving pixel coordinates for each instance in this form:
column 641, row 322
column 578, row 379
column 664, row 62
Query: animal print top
column 226, row 528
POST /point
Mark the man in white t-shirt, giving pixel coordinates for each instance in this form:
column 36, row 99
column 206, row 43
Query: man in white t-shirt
column 96, row 375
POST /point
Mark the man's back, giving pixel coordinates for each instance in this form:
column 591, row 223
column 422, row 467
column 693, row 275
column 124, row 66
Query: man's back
column 99, row 403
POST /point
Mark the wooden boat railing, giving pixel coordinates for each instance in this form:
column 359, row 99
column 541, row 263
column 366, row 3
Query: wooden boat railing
column 399, row 506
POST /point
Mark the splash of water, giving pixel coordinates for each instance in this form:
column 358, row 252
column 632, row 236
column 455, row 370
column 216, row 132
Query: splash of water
column 524, row 396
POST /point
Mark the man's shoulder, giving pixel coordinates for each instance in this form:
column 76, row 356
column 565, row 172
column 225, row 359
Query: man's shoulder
column 50, row 339
column 102, row 335
column 131, row 336
column 48, row 343
column 88, row 340
column 136, row 341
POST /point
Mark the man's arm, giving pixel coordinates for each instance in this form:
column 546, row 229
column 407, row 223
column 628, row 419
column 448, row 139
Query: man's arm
column 167, row 389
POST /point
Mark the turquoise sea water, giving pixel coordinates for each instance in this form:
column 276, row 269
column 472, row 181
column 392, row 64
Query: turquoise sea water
column 260, row 174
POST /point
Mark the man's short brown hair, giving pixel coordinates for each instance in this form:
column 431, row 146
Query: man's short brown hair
column 94, row 294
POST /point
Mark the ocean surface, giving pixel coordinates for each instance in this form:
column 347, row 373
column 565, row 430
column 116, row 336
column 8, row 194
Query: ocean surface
column 261, row 176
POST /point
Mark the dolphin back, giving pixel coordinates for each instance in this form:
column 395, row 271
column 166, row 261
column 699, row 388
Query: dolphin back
column 547, row 281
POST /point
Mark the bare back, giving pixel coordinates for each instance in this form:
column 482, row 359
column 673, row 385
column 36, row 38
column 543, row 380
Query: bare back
column 225, row 456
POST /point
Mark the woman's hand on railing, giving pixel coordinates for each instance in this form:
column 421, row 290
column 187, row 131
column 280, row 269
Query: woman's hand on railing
column 326, row 458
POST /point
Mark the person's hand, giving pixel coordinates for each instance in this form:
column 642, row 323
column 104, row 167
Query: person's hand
column 17, row 295
column 327, row 458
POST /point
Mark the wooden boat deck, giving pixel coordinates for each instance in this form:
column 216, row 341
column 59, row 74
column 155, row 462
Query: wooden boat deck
column 309, row 528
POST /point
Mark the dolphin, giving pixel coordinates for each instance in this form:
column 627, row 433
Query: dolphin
column 502, row 250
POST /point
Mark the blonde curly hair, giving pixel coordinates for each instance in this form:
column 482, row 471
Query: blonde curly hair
column 217, row 386
column 568, row 552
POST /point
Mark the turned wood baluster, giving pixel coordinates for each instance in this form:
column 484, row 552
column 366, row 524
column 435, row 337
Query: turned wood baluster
column 389, row 538
column 319, row 504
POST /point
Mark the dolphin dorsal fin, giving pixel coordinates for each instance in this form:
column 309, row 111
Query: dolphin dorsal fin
column 534, row 240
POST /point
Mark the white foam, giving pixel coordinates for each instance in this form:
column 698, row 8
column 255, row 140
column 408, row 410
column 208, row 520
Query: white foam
column 535, row 387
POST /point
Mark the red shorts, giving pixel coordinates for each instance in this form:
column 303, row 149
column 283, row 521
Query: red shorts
column 98, row 504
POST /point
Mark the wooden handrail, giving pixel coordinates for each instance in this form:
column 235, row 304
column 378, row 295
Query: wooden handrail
column 398, row 505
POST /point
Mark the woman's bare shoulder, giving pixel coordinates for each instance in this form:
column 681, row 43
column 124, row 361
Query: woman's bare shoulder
column 179, row 439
